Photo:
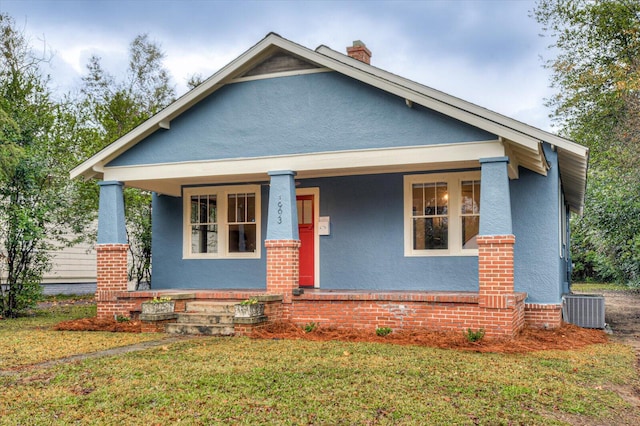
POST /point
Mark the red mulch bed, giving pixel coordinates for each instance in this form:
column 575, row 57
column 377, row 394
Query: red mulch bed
column 95, row 324
column 566, row 337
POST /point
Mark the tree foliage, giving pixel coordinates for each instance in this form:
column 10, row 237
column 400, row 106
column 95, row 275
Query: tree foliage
column 41, row 139
column 32, row 178
column 114, row 107
column 596, row 72
column 597, row 75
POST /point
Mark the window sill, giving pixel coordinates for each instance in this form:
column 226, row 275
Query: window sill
column 226, row 257
column 442, row 253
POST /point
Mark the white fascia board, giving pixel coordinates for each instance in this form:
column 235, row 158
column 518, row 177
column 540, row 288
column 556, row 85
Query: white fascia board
column 345, row 160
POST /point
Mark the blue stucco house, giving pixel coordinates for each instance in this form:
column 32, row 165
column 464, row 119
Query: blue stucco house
column 386, row 201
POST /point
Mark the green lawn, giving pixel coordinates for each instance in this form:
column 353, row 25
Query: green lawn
column 29, row 340
column 243, row 381
column 586, row 287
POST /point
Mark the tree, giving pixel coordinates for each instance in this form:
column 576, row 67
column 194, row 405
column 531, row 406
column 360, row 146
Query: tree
column 597, row 75
column 195, row 80
column 31, row 177
column 112, row 109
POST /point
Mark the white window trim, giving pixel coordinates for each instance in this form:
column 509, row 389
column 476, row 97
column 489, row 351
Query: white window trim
column 221, row 193
column 562, row 223
column 454, row 181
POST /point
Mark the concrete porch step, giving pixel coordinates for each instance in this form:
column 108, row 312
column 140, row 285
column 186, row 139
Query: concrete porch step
column 208, row 318
column 224, row 308
column 204, row 318
column 201, row 329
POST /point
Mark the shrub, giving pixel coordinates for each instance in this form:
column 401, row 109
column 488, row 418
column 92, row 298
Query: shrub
column 474, row 336
column 383, row 331
column 308, row 328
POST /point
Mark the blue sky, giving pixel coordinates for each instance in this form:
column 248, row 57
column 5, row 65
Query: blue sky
column 484, row 51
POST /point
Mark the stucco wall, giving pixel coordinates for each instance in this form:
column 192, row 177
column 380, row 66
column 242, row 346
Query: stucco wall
column 366, row 247
column 539, row 270
column 171, row 271
column 298, row 114
column 331, row 112
column 364, row 251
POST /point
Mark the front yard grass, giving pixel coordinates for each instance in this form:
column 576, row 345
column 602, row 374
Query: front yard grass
column 30, row 339
column 244, row 381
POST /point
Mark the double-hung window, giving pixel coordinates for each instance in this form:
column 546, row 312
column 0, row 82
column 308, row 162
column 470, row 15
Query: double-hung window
column 442, row 214
column 222, row 222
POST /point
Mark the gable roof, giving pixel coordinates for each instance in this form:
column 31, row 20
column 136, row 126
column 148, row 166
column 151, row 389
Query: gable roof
column 520, row 139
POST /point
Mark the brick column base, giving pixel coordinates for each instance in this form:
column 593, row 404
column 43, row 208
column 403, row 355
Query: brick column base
column 112, row 279
column 283, row 270
column 495, row 269
column 496, row 289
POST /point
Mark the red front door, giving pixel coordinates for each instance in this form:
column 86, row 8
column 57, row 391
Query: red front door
column 306, row 229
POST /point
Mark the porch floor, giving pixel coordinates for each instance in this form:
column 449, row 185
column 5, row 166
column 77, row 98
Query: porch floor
column 464, row 297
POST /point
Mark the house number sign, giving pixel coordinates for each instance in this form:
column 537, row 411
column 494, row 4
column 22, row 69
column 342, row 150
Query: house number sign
column 279, row 209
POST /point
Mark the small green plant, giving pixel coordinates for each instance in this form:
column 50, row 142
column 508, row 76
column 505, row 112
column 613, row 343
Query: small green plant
column 474, row 336
column 251, row 301
column 162, row 299
column 383, row 331
column 308, row 328
column 122, row 318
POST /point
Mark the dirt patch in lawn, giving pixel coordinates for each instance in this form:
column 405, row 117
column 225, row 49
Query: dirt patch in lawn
column 622, row 315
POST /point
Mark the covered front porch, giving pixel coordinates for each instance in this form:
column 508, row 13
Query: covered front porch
column 495, row 307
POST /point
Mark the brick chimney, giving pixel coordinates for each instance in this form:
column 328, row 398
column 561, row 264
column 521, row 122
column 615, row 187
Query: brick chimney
column 360, row 52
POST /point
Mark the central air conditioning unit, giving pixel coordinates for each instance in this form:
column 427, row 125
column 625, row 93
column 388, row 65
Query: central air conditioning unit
column 584, row 310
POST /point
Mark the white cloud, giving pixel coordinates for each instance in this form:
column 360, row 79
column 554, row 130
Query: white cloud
column 484, row 52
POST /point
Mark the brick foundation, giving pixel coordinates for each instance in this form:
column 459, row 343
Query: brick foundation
column 111, row 262
column 543, row 316
column 447, row 311
column 283, row 269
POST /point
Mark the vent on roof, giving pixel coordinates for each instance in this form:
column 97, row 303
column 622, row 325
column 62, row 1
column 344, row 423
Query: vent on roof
column 280, row 62
column 584, row 310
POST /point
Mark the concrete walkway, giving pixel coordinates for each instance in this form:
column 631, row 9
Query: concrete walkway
column 99, row 354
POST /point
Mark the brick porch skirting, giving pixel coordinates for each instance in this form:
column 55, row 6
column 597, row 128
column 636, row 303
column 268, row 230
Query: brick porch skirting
column 433, row 310
column 449, row 311
column 543, row 316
